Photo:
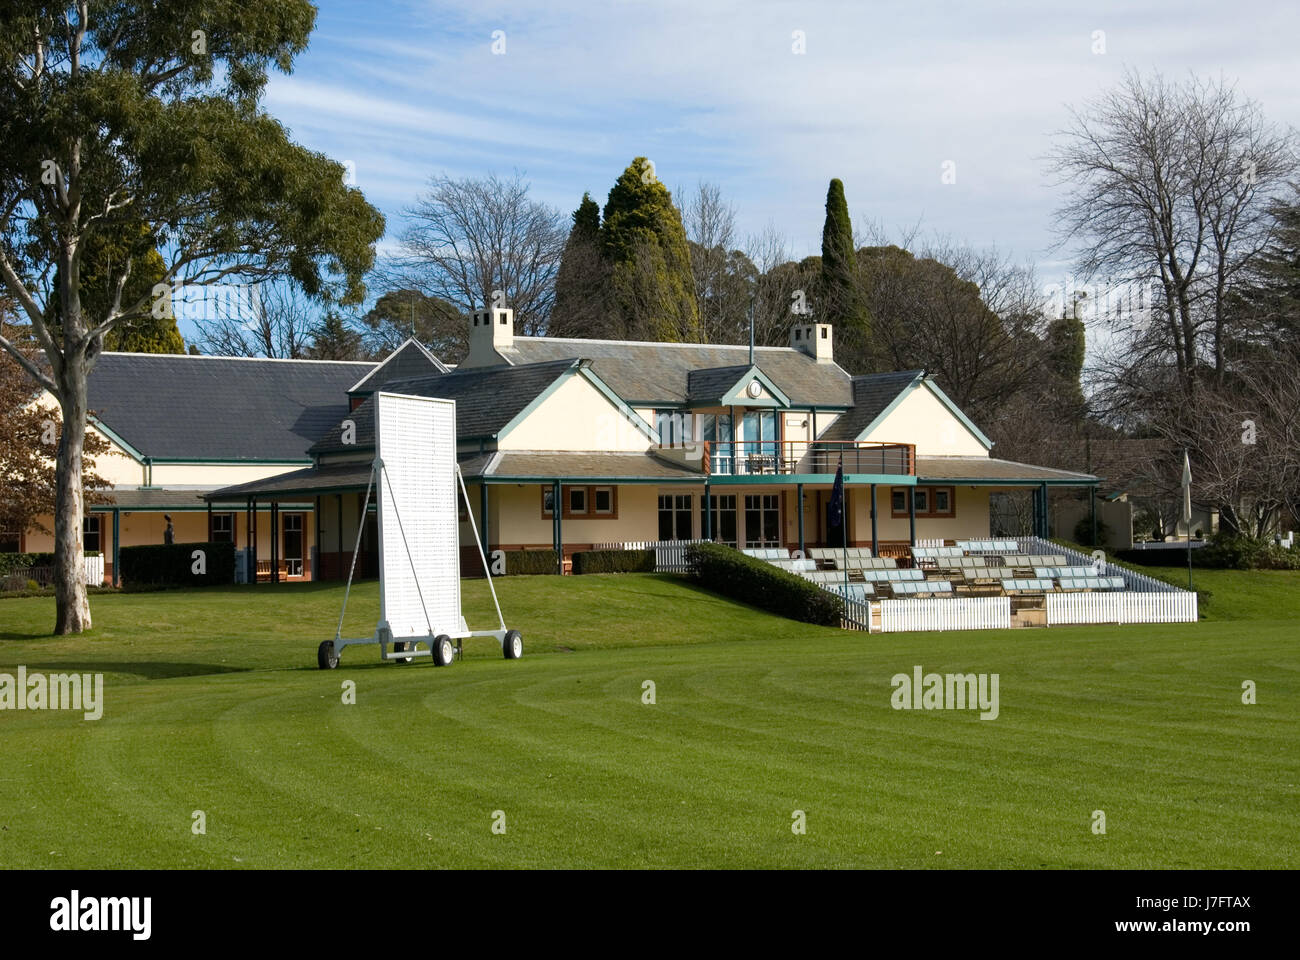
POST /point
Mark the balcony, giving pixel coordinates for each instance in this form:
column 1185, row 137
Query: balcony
column 792, row 458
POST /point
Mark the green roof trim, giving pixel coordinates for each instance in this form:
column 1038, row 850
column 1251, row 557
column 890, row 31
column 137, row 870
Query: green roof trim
column 107, row 431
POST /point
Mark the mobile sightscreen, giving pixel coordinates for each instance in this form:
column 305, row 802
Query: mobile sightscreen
column 419, row 539
column 416, row 483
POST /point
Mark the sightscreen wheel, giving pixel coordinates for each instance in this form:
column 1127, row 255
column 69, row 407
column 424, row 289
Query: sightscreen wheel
column 443, row 650
column 513, row 647
column 400, row 646
column 326, row 658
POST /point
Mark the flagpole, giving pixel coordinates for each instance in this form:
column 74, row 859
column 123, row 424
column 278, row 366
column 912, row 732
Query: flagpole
column 1187, row 511
column 844, row 523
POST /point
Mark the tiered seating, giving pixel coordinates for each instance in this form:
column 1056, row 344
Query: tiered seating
column 1092, row 583
column 793, row 566
column 893, row 575
column 1034, row 585
column 915, row 588
column 872, row 563
column 824, row 576
column 834, row 553
column 767, row 553
column 1058, row 573
column 988, row 546
column 929, row 553
column 852, row 591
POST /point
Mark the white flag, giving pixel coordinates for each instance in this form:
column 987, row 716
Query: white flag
column 1187, row 493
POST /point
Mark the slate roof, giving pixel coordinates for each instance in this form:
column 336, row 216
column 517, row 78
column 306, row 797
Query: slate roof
column 990, row 468
column 407, row 362
column 712, row 383
column 487, row 398
column 220, row 408
column 872, row 393
column 655, row 374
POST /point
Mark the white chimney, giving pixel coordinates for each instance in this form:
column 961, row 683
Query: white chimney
column 491, row 331
column 813, row 339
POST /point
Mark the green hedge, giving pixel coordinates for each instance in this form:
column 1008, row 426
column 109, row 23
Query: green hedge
column 729, row 572
column 9, row 561
column 614, row 561
column 528, row 562
column 170, row 564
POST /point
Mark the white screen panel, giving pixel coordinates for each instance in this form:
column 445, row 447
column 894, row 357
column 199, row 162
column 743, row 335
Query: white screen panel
column 415, row 438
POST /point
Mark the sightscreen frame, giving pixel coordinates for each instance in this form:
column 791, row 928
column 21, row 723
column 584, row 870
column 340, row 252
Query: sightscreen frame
column 418, row 511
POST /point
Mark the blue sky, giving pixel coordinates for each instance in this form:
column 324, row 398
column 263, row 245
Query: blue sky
column 885, row 93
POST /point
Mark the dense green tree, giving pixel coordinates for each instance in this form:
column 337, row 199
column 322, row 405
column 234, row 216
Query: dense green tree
column 1063, row 356
column 128, row 116
column 103, row 253
column 432, row 321
column 841, row 299
column 582, row 306
column 644, row 245
column 334, row 338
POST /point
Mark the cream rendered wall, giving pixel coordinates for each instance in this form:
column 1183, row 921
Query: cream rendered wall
column 923, row 420
column 576, row 416
column 971, row 521
column 516, row 513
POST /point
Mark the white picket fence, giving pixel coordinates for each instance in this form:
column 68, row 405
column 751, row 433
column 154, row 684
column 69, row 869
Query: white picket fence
column 670, row 555
column 857, row 613
column 1175, row 607
column 1133, row 580
column 94, row 567
column 959, row 613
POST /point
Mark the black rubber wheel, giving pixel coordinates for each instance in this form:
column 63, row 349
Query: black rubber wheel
column 513, row 647
column 400, row 646
column 326, row 658
column 443, row 650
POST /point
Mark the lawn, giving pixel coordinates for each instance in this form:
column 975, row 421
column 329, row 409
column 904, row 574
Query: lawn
column 214, row 703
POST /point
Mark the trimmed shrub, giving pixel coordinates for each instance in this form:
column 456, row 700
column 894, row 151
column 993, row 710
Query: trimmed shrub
column 614, row 561
column 731, row 573
column 1243, row 553
column 172, row 564
column 528, row 562
column 13, row 561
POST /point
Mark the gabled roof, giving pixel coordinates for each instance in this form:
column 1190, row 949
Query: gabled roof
column 183, row 407
column 412, row 359
column 487, row 398
column 873, row 394
column 726, row 385
column 655, row 374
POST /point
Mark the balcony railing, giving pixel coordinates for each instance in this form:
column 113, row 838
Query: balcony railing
column 791, row 457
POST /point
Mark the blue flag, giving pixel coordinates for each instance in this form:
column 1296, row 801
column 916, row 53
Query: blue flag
column 837, row 496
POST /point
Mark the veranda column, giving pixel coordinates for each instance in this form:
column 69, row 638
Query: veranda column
column 911, row 514
column 117, row 530
column 875, row 540
column 556, row 527
column 798, row 496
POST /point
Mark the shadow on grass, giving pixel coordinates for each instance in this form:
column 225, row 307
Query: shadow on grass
column 149, row 669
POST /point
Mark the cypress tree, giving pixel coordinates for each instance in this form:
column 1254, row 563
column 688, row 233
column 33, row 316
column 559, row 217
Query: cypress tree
column 841, row 301
column 581, row 283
